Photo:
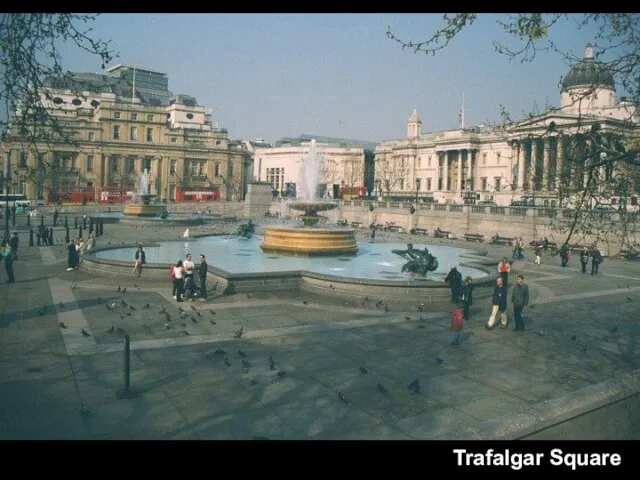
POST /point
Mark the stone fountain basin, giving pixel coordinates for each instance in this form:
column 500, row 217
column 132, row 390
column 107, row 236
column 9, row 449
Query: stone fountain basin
column 312, row 206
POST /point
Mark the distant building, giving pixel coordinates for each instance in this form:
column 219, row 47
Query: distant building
column 528, row 158
column 347, row 165
column 116, row 126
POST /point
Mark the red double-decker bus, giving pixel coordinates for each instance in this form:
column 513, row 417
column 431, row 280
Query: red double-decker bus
column 197, row 195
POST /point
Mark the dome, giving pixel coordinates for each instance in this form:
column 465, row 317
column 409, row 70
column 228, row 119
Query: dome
column 414, row 117
column 588, row 72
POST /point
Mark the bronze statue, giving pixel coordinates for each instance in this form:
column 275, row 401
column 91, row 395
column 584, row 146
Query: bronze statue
column 418, row 261
column 245, row 230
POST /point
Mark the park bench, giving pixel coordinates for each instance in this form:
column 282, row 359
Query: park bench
column 418, row 231
column 356, row 224
column 441, row 233
column 497, row 240
column 629, row 254
column 396, row 228
column 474, row 237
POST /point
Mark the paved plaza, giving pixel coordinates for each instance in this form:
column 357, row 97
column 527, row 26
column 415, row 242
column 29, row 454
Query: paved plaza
column 341, row 369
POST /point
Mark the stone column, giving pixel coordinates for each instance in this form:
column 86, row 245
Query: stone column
column 546, row 145
column 533, row 173
column 520, row 150
column 559, row 160
column 445, row 171
column 469, row 166
column 460, row 172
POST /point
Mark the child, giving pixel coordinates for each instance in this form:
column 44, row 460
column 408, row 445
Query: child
column 457, row 320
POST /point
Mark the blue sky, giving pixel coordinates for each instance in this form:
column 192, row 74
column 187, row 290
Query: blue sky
column 278, row 75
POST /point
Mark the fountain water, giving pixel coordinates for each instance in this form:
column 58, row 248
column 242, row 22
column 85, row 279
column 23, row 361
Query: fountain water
column 310, row 240
column 141, row 205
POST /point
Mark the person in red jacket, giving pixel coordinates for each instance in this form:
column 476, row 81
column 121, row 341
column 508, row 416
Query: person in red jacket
column 457, row 321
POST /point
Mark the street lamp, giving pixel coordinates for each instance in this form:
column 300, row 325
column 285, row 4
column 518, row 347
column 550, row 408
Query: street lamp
column 13, row 216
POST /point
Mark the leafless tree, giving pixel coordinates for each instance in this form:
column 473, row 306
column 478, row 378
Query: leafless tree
column 391, row 173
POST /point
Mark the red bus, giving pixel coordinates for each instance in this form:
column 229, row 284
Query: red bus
column 200, row 195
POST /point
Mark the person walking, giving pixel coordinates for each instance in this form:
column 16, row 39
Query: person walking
column 5, row 253
column 519, row 299
column 499, row 306
column 504, row 268
column 584, row 259
column 72, row 256
column 466, row 296
column 564, row 255
column 202, row 274
column 140, row 259
column 13, row 243
column 596, row 260
column 457, row 322
column 454, row 279
column 538, row 252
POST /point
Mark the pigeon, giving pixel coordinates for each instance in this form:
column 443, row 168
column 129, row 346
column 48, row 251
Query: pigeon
column 382, row 389
column 573, row 338
column 212, row 322
column 123, row 303
column 193, row 308
column 272, row 363
column 220, row 351
column 245, row 364
column 363, row 370
column 183, row 324
column 118, row 289
column 379, row 303
column 114, row 305
column 128, row 314
column 111, row 329
column 415, row 386
column 242, row 354
column 304, row 302
column 193, row 319
column 85, row 333
column 584, row 348
column 362, row 303
column 227, row 362
column 342, row 397
column 439, row 360
column 124, row 290
column 74, row 286
column 132, row 307
column 253, row 381
column 629, row 299
column 167, row 326
column 184, row 332
column 199, row 314
column 61, row 305
column 614, row 329
column 421, row 307
column 281, row 374
column 212, row 312
column 532, row 306
column 407, row 318
column 386, row 308
column 542, row 333
column 147, row 305
column 62, row 325
column 121, row 330
column 239, row 333
column 164, row 310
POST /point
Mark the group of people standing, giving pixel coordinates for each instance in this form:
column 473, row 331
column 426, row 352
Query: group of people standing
column 182, row 275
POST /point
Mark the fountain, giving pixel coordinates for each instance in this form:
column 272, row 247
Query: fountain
column 141, row 205
column 310, row 240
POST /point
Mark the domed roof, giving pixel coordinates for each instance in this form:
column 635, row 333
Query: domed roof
column 588, row 72
column 414, row 117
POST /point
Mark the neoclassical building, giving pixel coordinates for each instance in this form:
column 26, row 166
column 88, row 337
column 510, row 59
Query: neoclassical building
column 115, row 127
column 534, row 159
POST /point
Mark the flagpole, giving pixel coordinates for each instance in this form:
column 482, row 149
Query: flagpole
column 133, row 93
column 462, row 114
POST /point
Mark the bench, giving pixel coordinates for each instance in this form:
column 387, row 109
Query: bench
column 418, row 231
column 502, row 240
column 396, row 229
column 441, row 234
column 474, row 237
column 629, row 254
column 356, row 224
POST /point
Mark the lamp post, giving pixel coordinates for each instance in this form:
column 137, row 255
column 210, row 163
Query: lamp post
column 342, row 190
column 13, row 216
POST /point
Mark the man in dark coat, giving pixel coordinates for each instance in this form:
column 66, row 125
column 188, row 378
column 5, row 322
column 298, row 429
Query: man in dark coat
column 596, row 260
column 499, row 306
column 466, row 296
column 202, row 274
column 13, row 243
column 519, row 299
column 454, row 279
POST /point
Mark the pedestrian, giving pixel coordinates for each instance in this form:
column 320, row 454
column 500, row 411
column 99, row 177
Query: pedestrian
column 178, row 281
column 202, row 273
column 13, row 243
column 504, row 267
column 499, row 306
column 520, row 299
column 466, row 296
column 538, row 252
column 596, row 260
column 140, row 259
column 564, row 255
column 55, row 217
column 7, row 255
column 72, row 255
column 189, row 266
column 457, row 322
column 584, row 259
column 454, row 279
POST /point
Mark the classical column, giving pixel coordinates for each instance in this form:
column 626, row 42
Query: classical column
column 520, row 149
column 445, row 171
column 559, row 160
column 534, row 159
column 546, row 145
column 460, row 172
column 470, row 166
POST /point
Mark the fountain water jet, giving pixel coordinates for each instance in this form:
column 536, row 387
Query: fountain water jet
column 310, row 240
column 141, row 205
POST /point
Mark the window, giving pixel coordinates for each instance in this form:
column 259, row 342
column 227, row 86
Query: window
column 428, row 184
column 419, row 162
column 216, row 170
column 133, row 133
column 149, row 134
column 497, row 158
column 172, row 167
column 174, row 139
column 116, row 115
column 76, row 102
column 147, row 163
column 195, row 167
column 23, row 159
column 417, row 184
column 172, row 191
column 150, row 117
column 429, row 161
column 40, row 160
column 113, row 163
column 131, row 165
column 402, row 180
column 217, row 142
column 95, row 103
column 134, row 116
column 484, row 158
column 23, row 186
column 116, row 132
column 496, row 183
column 275, row 176
column 190, row 116
column 483, row 183
column 91, row 136
column 89, row 163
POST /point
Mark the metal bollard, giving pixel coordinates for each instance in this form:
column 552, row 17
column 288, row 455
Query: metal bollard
column 125, row 391
column 30, row 236
column 28, row 220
